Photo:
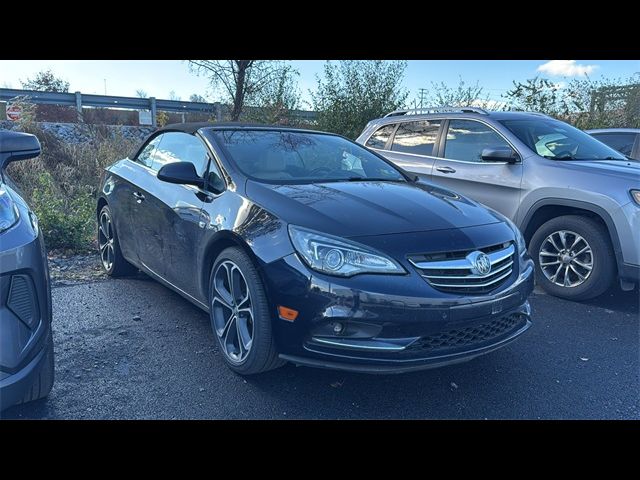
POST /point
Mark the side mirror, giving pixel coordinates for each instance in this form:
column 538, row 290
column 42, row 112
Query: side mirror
column 17, row 146
column 215, row 184
column 501, row 154
column 182, row 173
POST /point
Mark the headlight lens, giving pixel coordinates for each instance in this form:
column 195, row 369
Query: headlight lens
column 8, row 210
column 636, row 196
column 522, row 245
column 337, row 256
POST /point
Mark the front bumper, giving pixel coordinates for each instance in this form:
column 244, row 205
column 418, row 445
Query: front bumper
column 25, row 309
column 391, row 326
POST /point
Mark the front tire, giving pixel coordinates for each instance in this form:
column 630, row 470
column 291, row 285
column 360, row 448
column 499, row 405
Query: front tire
column 43, row 383
column 574, row 258
column 110, row 254
column 240, row 314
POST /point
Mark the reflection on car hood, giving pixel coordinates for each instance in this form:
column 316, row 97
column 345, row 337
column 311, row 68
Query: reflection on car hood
column 630, row 168
column 352, row 209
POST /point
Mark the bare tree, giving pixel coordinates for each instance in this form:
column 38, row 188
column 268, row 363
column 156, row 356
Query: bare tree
column 195, row 97
column 240, row 80
column 141, row 93
column 174, row 96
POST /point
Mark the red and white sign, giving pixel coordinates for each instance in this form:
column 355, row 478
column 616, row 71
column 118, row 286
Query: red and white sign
column 13, row 112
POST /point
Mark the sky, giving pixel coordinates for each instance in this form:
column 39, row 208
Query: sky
column 160, row 77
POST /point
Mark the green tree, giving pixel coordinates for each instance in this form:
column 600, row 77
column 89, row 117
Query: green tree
column 197, row 98
column 45, row 81
column 353, row 92
column 240, row 81
column 276, row 102
column 463, row 95
column 538, row 95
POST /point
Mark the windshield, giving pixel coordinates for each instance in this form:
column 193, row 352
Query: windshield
column 560, row 141
column 274, row 156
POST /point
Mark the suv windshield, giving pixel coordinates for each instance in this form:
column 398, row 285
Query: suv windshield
column 280, row 156
column 560, row 141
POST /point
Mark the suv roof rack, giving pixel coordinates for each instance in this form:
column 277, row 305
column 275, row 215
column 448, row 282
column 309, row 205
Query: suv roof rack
column 445, row 109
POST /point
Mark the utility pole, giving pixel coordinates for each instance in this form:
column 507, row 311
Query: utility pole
column 422, row 95
column 105, row 86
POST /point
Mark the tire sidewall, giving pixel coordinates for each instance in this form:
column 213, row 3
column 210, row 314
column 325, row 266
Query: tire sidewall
column 603, row 259
column 261, row 321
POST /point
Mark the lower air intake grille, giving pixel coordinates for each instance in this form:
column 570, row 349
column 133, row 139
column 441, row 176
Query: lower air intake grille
column 468, row 336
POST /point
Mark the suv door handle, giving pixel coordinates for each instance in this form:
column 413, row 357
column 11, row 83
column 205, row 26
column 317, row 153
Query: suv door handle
column 139, row 197
column 446, row 169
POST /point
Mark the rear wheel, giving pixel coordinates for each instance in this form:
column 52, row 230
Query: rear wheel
column 110, row 255
column 574, row 258
column 240, row 315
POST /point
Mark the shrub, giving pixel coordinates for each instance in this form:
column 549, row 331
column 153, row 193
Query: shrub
column 61, row 185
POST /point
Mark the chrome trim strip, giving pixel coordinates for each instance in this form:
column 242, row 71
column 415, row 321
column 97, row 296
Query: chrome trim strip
column 471, row 277
column 474, row 285
column 359, row 346
column 463, row 263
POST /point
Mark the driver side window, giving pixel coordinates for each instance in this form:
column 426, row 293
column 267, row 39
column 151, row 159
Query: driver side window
column 467, row 138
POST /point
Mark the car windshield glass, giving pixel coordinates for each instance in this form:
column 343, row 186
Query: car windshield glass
column 560, row 141
column 280, row 156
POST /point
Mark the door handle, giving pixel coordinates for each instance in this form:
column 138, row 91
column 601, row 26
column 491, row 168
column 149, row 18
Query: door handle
column 139, row 197
column 446, row 169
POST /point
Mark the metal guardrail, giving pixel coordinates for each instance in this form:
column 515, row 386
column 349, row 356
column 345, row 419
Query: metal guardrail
column 80, row 100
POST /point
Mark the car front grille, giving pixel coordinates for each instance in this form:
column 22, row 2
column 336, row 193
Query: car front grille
column 468, row 336
column 455, row 272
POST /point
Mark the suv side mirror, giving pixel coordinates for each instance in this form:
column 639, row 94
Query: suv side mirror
column 17, row 146
column 181, row 173
column 501, row 154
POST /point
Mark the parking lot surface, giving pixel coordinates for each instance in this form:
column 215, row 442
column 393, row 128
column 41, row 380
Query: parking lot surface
column 132, row 349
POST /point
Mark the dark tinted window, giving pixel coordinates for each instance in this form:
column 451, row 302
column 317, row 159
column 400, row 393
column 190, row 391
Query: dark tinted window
column 622, row 142
column 146, row 155
column 416, row 137
column 181, row 147
column 379, row 139
column 466, row 139
column 299, row 157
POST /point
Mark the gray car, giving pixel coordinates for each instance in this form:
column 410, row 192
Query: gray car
column 576, row 200
column 26, row 341
column 624, row 140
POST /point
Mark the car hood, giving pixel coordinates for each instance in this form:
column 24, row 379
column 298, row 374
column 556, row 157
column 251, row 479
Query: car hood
column 351, row 209
column 618, row 168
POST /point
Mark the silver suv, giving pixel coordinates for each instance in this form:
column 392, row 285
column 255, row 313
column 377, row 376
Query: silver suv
column 576, row 200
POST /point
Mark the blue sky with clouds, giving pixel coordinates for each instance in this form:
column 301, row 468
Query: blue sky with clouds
column 159, row 77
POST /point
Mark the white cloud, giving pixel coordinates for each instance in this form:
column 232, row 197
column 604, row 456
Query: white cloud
column 566, row 68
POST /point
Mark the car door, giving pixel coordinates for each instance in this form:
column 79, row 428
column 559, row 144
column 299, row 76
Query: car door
column 460, row 166
column 627, row 143
column 408, row 144
column 412, row 146
column 172, row 213
column 125, row 197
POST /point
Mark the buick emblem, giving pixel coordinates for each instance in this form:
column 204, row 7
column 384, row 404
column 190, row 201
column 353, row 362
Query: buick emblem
column 480, row 263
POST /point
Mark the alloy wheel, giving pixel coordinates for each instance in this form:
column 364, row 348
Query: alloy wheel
column 232, row 311
column 105, row 241
column 566, row 258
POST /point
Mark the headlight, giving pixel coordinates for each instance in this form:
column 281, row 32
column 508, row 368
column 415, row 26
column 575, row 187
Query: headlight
column 337, row 256
column 8, row 210
column 635, row 194
column 522, row 245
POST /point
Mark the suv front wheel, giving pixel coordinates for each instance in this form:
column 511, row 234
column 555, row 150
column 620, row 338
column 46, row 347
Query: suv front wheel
column 573, row 257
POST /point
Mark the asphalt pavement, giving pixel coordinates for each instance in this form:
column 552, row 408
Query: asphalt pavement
column 132, row 349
